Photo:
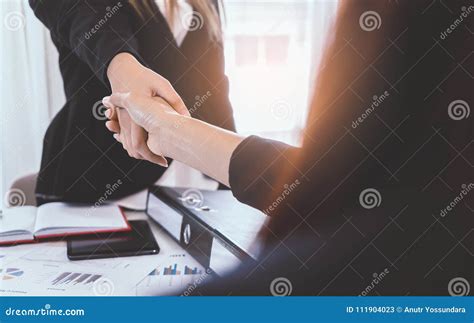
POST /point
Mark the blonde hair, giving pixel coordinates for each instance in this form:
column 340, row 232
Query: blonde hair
column 207, row 14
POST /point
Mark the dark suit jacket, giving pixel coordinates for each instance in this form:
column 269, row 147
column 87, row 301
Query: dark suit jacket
column 81, row 160
column 379, row 200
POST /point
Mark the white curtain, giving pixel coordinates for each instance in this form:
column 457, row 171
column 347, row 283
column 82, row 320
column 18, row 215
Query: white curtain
column 31, row 90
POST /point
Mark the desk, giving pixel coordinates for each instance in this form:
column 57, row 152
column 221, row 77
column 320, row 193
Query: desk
column 43, row 269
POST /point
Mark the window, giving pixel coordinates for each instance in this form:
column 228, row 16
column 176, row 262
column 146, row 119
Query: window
column 271, row 50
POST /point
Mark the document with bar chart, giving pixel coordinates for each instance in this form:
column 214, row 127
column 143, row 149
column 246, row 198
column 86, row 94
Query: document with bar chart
column 45, row 270
column 35, row 278
column 180, row 275
column 75, row 278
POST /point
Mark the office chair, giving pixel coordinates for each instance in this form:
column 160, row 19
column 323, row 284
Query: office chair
column 23, row 188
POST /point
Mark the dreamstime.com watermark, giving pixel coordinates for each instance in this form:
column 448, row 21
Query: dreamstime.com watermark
column 281, row 286
column 200, row 280
column 109, row 13
column 465, row 12
column 370, row 20
column 199, row 101
column 14, row 21
column 459, row 110
column 376, row 102
column 465, row 189
column 109, row 190
column 44, row 311
column 103, row 287
column 287, row 189
column 459, row 286
column 370, row 198
column 192, row 198
column 98, row 111
column 281, row 109
column 377, row 279
column 192, row 21
column 14, row 197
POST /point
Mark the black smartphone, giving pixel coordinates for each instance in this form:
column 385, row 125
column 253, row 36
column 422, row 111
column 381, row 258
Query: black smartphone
column 136, row 242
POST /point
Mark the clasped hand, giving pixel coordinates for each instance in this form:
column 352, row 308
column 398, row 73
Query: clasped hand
column 140, row 100
column 149, row 114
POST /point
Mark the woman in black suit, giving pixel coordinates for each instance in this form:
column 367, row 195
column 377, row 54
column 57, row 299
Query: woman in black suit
column 376, row 201
column 124, row 46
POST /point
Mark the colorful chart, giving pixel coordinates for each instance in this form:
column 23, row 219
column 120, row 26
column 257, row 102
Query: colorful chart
column 189, row 271
column 155, row 272
column 75, row 278
column 10, row 273
column 171, row 271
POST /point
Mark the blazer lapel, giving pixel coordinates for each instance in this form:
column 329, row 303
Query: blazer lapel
column 164, row 28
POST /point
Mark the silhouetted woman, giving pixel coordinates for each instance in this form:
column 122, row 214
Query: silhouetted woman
column 387, row 151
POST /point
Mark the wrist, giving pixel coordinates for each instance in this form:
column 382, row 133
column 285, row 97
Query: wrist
column 121, row 65
column 171, row 133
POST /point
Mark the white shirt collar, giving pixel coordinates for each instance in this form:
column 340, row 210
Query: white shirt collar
column 182, row 21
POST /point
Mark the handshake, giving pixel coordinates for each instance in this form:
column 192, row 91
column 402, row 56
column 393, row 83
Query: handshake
column 142, row 109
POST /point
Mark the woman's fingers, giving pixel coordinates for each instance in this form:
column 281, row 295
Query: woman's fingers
column 139, row 115
column 113, row 126
column 133, row 138
column 160, row 160
column 111, row 113
column 117, row 99
column 143, row 110
column 117, row 137
column 156, row 159
column 164, row 89
column 138, row 140
column 139, row 145
column 126, row 74
column 125, row 129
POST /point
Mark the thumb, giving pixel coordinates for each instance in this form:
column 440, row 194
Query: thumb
column 140, row 108
column 118, row 100
column 164, row 89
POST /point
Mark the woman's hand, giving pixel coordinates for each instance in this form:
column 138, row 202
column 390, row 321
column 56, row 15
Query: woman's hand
column 196, row 143
column 152, row 114
column 126, row 74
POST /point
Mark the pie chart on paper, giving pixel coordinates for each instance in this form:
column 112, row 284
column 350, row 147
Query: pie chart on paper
column 10, row 273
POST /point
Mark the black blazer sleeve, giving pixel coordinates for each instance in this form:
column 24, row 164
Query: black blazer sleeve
column 95, row 31
column 256, row 166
